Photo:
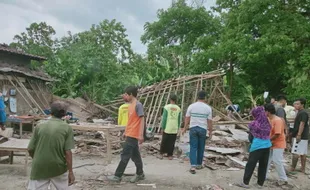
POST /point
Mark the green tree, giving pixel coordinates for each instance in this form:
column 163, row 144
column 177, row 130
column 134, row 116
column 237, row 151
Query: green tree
column 174, row 36
column 37, row 40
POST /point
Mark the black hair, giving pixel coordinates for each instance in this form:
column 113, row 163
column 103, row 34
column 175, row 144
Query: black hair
column 270, row 108
column 302, row 101
column 281, row 97
column 132, row 90
column 267, row 100
column 59, row 109
column 174, row 97
column 201, row 95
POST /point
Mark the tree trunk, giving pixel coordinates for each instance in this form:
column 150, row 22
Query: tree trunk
column 231, row 72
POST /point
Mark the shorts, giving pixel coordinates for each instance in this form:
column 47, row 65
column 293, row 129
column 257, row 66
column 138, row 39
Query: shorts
column 59, row 182
column 300, row 148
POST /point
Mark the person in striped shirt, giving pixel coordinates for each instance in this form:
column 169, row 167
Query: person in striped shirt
column 199, row 120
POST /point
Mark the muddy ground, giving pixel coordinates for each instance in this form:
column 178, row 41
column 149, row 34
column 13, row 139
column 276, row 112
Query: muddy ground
column 165, row 174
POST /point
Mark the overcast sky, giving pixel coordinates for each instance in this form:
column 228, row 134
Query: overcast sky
column 79, row 15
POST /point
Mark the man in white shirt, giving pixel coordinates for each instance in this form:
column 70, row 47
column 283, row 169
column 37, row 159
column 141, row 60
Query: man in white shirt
column 198, row 119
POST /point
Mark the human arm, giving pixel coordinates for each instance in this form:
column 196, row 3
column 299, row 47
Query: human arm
column 187, row 119
column 210, row 124
column 32, row 143
column 164, row 119
column 304, row 119
column 186, row 124
column 119, row 118
column 140, row 113
column 69, row 144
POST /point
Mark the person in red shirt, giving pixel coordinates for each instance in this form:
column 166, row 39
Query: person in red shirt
column 134, row 136
column 278, row 139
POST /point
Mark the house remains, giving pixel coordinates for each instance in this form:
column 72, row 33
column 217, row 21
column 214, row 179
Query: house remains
column 25, row 89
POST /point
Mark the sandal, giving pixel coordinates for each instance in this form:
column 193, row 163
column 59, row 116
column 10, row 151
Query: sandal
column 199, row 167
column 242, row 185
column 192, row 171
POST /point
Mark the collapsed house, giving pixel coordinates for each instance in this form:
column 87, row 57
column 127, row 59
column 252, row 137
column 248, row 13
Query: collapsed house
column 25, row 89
column 156, row 96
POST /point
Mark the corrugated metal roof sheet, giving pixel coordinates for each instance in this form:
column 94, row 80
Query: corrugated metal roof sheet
column 6, row 48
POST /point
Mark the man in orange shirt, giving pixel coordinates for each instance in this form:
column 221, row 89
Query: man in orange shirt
column 134, row 136
column 277, row 137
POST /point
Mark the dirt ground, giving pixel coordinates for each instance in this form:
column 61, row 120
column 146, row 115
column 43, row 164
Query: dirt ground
column 165, row 174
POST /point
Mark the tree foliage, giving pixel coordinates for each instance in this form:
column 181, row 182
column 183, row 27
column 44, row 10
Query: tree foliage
column 261, row 45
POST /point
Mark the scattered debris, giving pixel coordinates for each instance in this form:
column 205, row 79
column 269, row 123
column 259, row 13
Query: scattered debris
column 224, row 151
column 148, row 185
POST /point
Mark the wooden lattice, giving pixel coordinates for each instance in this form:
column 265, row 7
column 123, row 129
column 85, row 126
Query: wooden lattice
column 155, row 97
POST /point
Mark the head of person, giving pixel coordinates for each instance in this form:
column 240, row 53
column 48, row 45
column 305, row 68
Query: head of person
column 260, row 126
column 273, row 100
column 267, row 100
column 282, row 100
column 300, row 104
column 270, row 110
column 173, row 99
column 201, row 96
column 131, row 93
column 125, row 97
column 59, row 109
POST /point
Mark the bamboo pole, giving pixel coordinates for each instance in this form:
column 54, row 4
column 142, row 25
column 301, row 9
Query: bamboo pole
column 150, row 108
column 160, row 106
column 195, row 96
column 182, row 103
column 47, row 102
column 150, row 119
column 157, row 111
column 35, row 92
column 28, row 94
column 20, row 93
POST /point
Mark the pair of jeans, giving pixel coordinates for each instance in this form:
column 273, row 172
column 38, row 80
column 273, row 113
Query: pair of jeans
column 276, row 156
column 130, row 151
column 167, row 143
column 197, row 142
column 261, row 156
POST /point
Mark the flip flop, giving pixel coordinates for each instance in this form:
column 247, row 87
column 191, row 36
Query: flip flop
column 241, row 184
column 192, row 171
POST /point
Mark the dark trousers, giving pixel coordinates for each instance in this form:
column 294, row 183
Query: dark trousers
column 167, row 143
column 130, row 150
column 197, row 142
column 261, row 156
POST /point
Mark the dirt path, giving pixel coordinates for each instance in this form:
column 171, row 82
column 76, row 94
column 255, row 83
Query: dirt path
column 164, row 173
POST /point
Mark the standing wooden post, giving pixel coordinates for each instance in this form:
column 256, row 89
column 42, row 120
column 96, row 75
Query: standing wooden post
column 182, row 104
column 109, row 151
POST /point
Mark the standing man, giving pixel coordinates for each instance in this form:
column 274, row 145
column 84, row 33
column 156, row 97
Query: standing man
column 280, row 111
column 171, row 123
column 134, row 136
column 198, row 118
column 123, row 112
column 277, row 137
column 300, row 134
column 50, row 147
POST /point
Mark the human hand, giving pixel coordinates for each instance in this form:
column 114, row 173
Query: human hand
column 71, row 178
column 298, row 138
column 210, row 135
column 183, row 131
column 141, row 140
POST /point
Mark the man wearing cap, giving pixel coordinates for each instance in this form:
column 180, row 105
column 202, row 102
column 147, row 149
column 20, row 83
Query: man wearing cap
column 199, row 120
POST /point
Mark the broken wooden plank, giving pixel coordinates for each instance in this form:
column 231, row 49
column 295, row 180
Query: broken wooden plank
column 239, row 134
column 224, row 151
column 237, row 161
